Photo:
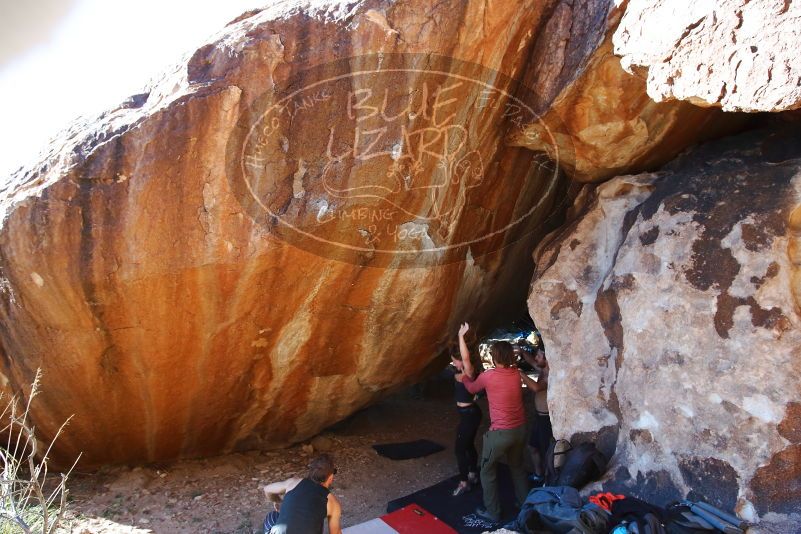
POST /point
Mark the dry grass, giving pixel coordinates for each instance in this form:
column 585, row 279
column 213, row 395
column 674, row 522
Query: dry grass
column 29, row 501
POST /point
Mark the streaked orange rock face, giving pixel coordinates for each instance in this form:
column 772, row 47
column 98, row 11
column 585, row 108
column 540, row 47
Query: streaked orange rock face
column 273, row 237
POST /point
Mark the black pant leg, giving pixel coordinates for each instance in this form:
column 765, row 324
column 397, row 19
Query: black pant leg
column 472, row 430
column 465, row 448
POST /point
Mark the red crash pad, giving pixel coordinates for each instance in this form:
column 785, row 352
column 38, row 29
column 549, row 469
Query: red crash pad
column 413, row 519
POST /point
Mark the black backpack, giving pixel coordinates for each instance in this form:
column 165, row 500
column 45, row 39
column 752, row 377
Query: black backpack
column 637, row 516
column 555, row 459
column 647, row 524
column 583, row 464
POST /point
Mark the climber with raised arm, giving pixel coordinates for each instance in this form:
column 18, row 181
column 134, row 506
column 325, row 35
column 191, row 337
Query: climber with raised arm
column 469, row 420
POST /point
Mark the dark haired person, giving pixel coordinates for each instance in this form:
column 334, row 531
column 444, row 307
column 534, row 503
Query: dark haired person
column 306, row 505
column 469, row 420
column 506, row 437
column 275, row 494
column 541, row 431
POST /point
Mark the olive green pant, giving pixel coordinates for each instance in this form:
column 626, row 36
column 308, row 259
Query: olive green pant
column 507, row 446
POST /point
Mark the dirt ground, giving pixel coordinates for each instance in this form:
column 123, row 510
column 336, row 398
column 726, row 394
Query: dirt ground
column 222, row 494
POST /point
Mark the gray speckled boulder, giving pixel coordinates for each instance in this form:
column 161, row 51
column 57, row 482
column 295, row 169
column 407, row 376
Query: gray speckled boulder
column 670, row 311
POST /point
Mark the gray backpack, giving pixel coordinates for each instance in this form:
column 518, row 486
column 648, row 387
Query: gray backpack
column 686, row 517
column 560, row 510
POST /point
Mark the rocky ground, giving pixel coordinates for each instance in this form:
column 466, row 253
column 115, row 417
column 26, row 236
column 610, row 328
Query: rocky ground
column 222, row 494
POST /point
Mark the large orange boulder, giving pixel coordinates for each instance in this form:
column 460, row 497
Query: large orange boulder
column 287, row 227
column 291, row 224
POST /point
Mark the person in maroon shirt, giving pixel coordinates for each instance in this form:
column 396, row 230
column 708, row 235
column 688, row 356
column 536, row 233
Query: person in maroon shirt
column 506, row 437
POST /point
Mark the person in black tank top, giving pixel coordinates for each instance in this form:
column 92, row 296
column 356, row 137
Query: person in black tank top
column 306, row 506
column 469, row 421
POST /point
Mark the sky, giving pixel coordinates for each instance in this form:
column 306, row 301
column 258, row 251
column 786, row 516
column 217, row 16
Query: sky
column 60, row 59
